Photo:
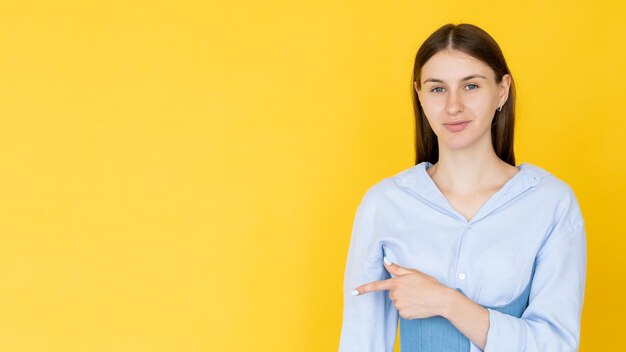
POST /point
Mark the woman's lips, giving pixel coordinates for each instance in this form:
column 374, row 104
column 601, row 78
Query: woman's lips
column 456, row 126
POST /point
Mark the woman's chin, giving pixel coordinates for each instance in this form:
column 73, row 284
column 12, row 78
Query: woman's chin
column 455, row 142
column 464, row 140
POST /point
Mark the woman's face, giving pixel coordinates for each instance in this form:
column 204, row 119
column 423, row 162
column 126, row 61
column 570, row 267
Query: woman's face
column 456, row 87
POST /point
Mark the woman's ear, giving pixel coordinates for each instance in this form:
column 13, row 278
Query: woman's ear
column 504, row 87
column 415, row 86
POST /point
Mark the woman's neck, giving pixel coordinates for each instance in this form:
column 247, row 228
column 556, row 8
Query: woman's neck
column 460, row 174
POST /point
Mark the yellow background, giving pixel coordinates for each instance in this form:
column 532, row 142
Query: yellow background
column 183, row 175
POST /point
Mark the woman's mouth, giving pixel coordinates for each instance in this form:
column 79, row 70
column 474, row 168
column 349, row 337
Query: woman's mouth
column 457, row 126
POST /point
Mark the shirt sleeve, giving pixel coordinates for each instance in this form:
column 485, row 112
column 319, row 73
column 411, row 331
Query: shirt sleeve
column 369, row 320
column 551, row 322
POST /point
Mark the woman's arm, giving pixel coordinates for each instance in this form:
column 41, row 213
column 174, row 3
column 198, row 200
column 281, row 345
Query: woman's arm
column 369, row 322
column 418, row 295
column 551, row 322
column 469, row 317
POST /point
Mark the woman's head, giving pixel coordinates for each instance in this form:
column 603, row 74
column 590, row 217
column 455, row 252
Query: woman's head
column 460, row 74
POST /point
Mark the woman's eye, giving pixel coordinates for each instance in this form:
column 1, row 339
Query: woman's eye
column 437, row 89
column 471, row 86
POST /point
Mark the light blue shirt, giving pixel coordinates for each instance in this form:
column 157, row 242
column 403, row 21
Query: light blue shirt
column 533, row 216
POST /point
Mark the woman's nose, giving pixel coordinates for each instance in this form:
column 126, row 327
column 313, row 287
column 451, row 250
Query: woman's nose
column 454, row 103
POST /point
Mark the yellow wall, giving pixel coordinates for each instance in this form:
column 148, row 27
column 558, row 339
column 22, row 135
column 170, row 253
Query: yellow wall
column 183, row 175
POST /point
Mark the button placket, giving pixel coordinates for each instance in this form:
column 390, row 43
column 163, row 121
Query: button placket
column 460, row 267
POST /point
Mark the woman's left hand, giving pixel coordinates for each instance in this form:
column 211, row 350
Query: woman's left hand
column 414, row 294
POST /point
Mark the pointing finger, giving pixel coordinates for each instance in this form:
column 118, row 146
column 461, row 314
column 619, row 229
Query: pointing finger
column 373, row 286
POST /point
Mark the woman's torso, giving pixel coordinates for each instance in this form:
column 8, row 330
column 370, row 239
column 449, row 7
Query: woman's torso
column 490, row 257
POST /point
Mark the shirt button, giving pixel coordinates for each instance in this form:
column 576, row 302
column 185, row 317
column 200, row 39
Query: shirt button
column 462, row 276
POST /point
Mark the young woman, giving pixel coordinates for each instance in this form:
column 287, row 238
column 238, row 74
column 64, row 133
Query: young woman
column 465, row 249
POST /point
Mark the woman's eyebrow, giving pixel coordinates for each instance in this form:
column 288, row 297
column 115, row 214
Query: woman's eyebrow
column 464, row 79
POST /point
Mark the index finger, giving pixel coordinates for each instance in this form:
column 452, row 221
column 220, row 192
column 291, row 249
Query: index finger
column 373, row 286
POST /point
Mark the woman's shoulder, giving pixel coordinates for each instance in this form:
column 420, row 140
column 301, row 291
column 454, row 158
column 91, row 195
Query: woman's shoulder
column 548, row 181
column 555, row 192
column 405, row 178
column 389, row 186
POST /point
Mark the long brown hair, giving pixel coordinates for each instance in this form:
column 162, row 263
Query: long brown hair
column 477, row 43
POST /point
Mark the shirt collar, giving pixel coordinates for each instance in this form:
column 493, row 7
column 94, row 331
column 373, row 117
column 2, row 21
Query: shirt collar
column 417, row 180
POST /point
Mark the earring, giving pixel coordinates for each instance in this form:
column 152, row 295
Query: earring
column 500, row 108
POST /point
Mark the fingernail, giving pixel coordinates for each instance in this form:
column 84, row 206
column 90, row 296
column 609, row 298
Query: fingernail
column 387, row 261
column 354, row 292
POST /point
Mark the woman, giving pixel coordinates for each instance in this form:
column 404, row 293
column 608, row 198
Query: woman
column 469, row 251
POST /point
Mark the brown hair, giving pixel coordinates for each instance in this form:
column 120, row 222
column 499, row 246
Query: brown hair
column 477, row 43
